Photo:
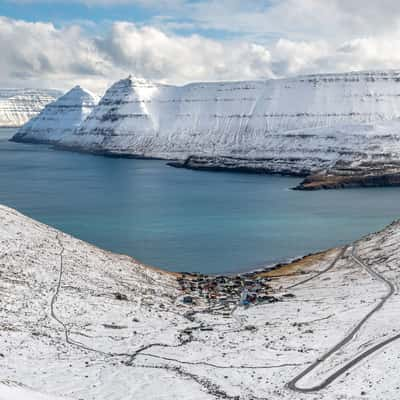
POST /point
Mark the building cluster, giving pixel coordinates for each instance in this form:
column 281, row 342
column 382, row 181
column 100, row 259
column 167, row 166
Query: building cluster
column 225, row 291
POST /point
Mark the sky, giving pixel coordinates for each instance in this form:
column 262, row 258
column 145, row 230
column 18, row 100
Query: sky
column 61, row 43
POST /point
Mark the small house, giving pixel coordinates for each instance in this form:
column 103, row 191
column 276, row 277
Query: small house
column 187, row 300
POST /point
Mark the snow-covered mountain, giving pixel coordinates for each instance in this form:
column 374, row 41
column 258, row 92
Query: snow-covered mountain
column 58, row 119
column 78, row 322
column 295, row 124
column 17, row 106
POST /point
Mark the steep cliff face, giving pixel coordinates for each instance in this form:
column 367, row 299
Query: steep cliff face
column 305, row 122
column 122, row 119
column 58, row 119
column 17, row 106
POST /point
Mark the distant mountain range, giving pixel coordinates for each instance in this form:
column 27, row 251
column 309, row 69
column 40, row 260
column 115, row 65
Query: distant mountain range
column 18, row 106
column 296, row 126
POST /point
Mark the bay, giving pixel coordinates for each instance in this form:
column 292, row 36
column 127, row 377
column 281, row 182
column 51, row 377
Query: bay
column 184, row 220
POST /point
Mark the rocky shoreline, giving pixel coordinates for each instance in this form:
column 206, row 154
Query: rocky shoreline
column 342, row 175
column 269, row 166
column 346, row 175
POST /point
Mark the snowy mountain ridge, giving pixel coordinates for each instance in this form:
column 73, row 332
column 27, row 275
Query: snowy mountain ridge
column 59, row 118
column 305, row 122
column 17, row 106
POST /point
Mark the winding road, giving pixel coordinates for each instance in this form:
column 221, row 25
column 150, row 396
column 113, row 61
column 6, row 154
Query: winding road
column 331, row 265
column 293, row 384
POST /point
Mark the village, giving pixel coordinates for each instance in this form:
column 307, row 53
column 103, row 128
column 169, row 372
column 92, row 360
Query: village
column 225, row 293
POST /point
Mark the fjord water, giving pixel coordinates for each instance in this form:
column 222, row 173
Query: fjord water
column 184, row 220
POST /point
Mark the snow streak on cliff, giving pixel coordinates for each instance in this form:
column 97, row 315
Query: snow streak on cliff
column 17, row 106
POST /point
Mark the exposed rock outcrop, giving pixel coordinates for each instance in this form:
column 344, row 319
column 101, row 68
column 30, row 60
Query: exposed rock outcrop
column 346, row 175
column 237, row 164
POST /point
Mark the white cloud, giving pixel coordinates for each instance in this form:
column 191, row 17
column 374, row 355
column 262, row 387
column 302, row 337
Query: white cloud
column 371, row 52
column 40, row 54
column 150, row 52
column 297, row 19
column 292, row 58
column 266, row 20
column 291, row 19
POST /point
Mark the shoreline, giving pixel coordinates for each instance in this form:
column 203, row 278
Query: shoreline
column 330, row 182
column 93, row 246
column 255, row 165
column 252, row 273
column 268, row 271
column 341, row 176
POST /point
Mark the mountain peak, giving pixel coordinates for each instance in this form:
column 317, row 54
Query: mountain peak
column 58, row 118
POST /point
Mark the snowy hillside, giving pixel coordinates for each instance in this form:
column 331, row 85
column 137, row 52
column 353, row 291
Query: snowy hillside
column 301, row 123
column 17, row 106
column 83, row 323
column 58, row 118
column 12, row 391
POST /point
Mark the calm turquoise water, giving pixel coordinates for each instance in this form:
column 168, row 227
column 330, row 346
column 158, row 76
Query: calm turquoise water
column 184, row 220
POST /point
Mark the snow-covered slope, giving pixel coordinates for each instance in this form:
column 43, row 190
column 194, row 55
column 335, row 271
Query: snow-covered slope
column 58, row 119
column 12, row 391
column 80, row 322
column 17, row 106
column 304, row 122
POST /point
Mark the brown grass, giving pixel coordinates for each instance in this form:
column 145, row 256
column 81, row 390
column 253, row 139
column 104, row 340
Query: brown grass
column 326, row 181
column 297, row 266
